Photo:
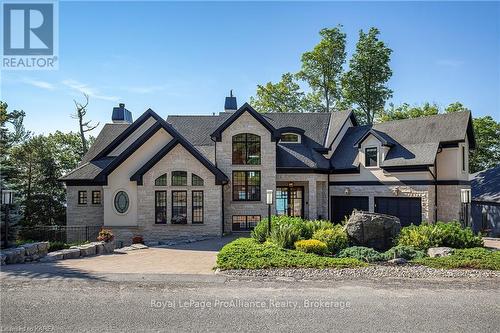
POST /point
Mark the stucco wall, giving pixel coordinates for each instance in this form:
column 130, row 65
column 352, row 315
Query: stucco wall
column 247, row 124
column 119, row 180
column 449, row 163
column 133, row 137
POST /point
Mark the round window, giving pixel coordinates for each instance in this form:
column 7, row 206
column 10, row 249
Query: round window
column 121, row 202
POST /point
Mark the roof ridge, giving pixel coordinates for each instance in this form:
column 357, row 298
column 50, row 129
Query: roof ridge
column 424, row 117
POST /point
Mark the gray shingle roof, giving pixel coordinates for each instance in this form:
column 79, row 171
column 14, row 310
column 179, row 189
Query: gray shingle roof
column 108, row 133
column 415, row 140
column 485, row 185
column 88, row 170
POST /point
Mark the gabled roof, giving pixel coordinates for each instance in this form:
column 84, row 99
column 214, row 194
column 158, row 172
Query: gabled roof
column 108, row 133
column 384, row 139
column 217, row 134
column 485, row 185
column 414, row 141
column 101, row 166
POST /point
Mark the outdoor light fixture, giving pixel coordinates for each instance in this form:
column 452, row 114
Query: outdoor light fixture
column 290, row 184
column 465, row 199
column 465, row 196
column 269, row 201
column 7, row 197
column 347, row 191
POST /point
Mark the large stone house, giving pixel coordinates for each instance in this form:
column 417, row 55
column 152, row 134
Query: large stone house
column 189, row 176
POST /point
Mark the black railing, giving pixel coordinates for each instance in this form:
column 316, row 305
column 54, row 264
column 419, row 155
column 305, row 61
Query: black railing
column 60, row 233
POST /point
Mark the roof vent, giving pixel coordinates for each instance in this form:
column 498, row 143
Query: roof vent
column 230, row 105
column 121, row 115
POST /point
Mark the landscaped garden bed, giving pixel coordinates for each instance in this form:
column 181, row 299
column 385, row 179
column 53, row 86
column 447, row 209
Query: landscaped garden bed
column 317, row 249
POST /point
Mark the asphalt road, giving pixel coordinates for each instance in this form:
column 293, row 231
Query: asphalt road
column 182, row 303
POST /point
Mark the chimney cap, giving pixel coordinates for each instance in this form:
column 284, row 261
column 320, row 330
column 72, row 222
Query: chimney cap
column 121, row 105
column 121, row 115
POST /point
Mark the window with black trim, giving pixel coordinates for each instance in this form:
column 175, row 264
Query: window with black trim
column 246, row 185
column 463, row 158
column 371, row 156
column 179, row 207
column 82, row 197
column 290, row 138
column 179, row 178
column 245, row 222
column 196, row 180
column 162, row 180
column 160, row 207
column 96, row 197
column 246, row 149
column 197, row 207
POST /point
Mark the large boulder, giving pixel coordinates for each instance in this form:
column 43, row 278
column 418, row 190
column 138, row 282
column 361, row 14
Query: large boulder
column 373, row 230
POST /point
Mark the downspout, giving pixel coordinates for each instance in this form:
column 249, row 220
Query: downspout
column 328, row 199
column 222, row 205
column 434, row 175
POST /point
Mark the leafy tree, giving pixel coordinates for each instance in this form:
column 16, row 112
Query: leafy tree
column 405, row 111
column 365, row 84
column 455, row 107
column 322, row 67
column 284, row 96
column 487, row 152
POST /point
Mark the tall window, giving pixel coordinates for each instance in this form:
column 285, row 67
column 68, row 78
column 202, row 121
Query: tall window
column 463, row 158
column 161, row 181
column 246, row 149
column 160, row 207
column 179, row 178
column 82, row 197
column 371, row 157
column 179, row 207
column 96, row 197
column 197, row 208
column 196, row 180
column 246, row 185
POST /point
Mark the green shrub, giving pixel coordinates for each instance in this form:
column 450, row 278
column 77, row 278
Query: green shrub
column 476, row 258
column 404, row 251
column 310, row 227
column 247, row 253
column 285, row 235
column 311, row 246
column 427, row 235
column 335, row 239
column 361, row 253
column 56, row 246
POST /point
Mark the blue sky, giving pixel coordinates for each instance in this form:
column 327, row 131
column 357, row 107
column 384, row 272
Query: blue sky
column 182, row 58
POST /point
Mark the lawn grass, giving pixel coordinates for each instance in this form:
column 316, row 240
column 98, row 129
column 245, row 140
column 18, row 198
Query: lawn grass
column 247, row 253
column 476, row 258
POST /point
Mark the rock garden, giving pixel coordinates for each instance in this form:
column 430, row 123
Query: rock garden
column 368, row 245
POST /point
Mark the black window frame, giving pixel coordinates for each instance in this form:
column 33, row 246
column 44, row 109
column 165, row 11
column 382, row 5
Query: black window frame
column 161, row 209
column 195, row 214
column 284, row 135
column 198, row 178
column 463, row 158
column 94, row 197
column 246, row 186
column 246, row 146
column 367, row 158
column 179, row 175
column 162, row 178
column 247, row 228
column 173, row 206
column 82, row 199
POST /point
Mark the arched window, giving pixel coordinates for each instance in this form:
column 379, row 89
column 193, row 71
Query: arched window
column 121, row 202
column 161, row 181
column 196, row 180
column 179, row 178
column 290, row 138
column 246, row 149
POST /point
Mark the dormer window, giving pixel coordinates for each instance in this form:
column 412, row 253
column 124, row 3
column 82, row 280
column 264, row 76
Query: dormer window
column 290, row 138
column 371, row 157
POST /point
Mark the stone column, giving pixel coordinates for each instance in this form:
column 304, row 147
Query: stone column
column 313, row 205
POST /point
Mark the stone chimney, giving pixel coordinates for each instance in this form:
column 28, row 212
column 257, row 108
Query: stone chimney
column 121, row 115
column 230, row 105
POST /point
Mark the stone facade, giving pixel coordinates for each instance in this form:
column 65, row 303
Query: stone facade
column 246, row 123
column 449, row 205
column 78, row 215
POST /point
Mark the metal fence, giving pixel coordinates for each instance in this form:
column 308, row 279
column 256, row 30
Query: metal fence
column 60, row 233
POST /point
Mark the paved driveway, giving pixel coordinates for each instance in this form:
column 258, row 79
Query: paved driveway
column 193, row 258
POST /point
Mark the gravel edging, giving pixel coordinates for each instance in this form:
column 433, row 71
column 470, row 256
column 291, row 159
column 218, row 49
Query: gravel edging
column 369, row 272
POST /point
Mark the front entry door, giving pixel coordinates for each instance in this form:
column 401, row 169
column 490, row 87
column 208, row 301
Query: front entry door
column 290, row 201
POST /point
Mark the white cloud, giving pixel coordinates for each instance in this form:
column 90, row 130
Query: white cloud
column 86, row 89
column 39, row 84
column 450, row 63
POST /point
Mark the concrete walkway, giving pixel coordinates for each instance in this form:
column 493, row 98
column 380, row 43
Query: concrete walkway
column 193, row 258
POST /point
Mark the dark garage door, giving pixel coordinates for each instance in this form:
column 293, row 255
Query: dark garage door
column 409, row 210
column 343, row 206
